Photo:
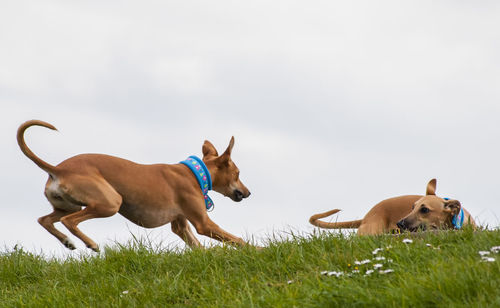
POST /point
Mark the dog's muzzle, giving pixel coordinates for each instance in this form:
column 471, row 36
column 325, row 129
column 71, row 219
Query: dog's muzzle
column 238, row 195
column 402, row 224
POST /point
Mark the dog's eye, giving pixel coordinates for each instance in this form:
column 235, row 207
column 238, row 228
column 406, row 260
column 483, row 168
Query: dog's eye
column 424, row 210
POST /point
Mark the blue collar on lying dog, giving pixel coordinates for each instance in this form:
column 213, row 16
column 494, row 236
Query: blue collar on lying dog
column 200, row 171
column 458, row 220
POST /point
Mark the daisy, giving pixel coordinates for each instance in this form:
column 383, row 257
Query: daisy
column 336, row 274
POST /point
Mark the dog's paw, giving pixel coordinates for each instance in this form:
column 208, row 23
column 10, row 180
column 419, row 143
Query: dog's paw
column 69, row 244
column 94, row 248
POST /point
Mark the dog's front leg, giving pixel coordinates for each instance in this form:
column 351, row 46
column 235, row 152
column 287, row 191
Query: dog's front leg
column 181, row 227
column 195, row 211
column 205, row 226
column 211, row 229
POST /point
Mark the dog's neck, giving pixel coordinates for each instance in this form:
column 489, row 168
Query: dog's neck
column 202, row 174
column 458, row 220
column 212, row 169
column 217, row 176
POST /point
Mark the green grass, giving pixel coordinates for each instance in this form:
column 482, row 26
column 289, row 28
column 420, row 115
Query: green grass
column 451, row 276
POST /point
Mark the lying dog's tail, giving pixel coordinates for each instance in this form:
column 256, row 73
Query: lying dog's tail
column 333, row 225
column 20, row 140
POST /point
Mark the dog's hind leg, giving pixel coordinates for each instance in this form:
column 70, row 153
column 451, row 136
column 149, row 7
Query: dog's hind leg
column 71, row 222
column 372, row 228
column 181, row 227
column 100, row 200
column 48, row 223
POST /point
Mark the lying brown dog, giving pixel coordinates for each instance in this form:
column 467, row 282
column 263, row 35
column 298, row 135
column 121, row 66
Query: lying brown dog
column 94, row 185
column 410, row 212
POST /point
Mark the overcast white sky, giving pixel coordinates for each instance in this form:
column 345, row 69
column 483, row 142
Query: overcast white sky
column 333, row 104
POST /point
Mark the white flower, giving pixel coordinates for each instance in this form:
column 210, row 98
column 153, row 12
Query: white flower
column 387, row 271
column 388, row 247
column 125, row 292
column 324, row 272
column 389, row 260
column 428, row 245
column 355, row 271
column 376, row 251
column 368, row 272
column 289, row 281
column 484, row 253
column 488, row 259
column 495, row 249
column 379, row 258
column 407, row 241
column 362, row 262
column 377, row 266
column 336, row 274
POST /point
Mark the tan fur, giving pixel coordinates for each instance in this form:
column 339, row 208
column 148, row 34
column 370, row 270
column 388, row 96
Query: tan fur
column 90, row 186
column 385, row 216
column 333, row 225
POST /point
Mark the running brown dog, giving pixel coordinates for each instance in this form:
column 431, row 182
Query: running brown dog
column 409, row 212
column 90, row 186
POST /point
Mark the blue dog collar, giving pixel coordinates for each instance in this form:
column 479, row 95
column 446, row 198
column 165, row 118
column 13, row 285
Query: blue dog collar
column 458, row 220
column 200, row 171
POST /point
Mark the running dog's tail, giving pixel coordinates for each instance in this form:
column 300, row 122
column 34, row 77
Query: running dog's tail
column 333, row 225
column 24, row 148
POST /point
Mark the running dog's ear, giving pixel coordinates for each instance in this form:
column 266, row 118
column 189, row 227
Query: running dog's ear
column 209, row 150
column 226, row 156
column 431, row 187
column 452, row 206
column 229, row 147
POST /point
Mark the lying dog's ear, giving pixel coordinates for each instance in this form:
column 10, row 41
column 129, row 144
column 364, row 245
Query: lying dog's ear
column 209, row 150
column 431, row 187
column 453, row 206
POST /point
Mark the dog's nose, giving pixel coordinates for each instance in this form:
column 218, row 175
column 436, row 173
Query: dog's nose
column 238, row 194
column 248, row 195
column 401, row 224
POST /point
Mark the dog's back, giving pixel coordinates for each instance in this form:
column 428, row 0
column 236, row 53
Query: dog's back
column 385, row 214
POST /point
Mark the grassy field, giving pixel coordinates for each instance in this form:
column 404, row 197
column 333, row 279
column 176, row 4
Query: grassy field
column 434, row 270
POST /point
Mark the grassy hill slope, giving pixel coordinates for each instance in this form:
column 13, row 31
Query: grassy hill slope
column 442, row 270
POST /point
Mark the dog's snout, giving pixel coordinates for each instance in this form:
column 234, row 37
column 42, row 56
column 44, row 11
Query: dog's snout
column 238, row 195
column 248, row 195
column 401, row 224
